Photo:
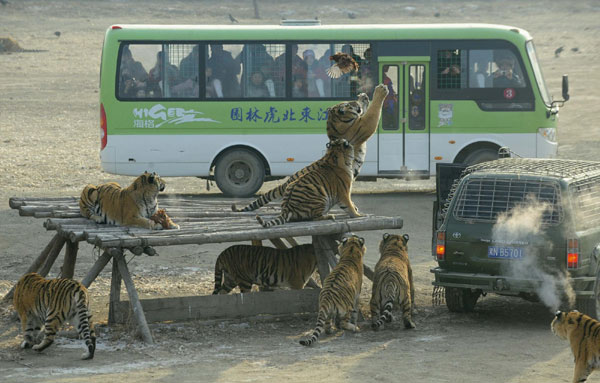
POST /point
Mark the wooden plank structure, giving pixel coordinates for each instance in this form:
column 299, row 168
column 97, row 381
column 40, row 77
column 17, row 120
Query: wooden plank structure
column 203, row 220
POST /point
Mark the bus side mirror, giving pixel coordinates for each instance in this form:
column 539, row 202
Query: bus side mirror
column 565, row 87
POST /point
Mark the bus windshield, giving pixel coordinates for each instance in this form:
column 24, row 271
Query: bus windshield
column 537, row 70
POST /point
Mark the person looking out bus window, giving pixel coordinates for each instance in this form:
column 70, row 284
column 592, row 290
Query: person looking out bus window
column 256, row 87
column 133, row 76
column 225, row 70
column 448, row 69
column 188, row 75
column 315, row 75
column 504, row 76
column 254, row 57
column 157, row 76
column 389, row 113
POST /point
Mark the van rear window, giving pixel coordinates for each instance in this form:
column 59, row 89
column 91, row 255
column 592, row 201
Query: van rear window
column 483, row 199
column 586, row 196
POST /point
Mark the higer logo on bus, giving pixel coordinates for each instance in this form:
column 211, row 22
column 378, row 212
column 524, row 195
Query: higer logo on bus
column 103, row 128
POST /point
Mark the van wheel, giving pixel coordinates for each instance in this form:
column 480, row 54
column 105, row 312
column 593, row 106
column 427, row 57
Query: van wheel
column 460, row 300
column 239, row 173
column 481, row 155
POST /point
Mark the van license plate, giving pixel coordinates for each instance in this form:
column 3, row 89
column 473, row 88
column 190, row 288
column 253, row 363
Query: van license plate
column 505, row 252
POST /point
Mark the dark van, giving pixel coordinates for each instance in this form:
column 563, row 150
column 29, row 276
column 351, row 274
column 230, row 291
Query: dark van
column 518, row 227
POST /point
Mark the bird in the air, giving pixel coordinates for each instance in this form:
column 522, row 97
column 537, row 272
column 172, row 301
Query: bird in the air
column 558, row 51
column 233, row 19
column 344, row 63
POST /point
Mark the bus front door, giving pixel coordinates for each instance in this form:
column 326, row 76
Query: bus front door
column 403, row 134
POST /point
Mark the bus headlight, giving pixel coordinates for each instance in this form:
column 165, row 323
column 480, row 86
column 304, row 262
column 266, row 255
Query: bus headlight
column 548, row 133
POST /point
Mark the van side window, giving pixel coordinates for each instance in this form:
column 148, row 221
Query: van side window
column 450, row 71
column 261, row 78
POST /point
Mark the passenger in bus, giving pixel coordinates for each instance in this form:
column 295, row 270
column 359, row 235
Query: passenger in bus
column 254, row 57
column 298, row 69
column 298, row 86
column 479, row 77
column 316, row 77
column 352, row 77
column 156, row 84
column 389, row 111
column 225, row 70
column 133, row 76
column 213, row 85
column 366, row 73
column 504, row 76
column 256, row 86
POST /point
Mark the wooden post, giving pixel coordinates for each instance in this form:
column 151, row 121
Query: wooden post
column 68, row 267
column 96, row 269
column 321, row 252
column 58, row 245
column 35, row 265
column 115, row 293
column 134, row 299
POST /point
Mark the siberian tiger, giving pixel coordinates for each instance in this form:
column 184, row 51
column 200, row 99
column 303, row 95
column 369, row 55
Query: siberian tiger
column 338, row 299
column 583, row 333
column 131, row 206
column 312, row 195
column 357, row 121
column 393, row 282
column 267, row 267
column 49, row 303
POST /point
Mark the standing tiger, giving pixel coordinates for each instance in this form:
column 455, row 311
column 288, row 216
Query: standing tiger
column 131, row 206
column 267, row 267
column 49, row 303
column 355, row 121
column 339, row 296
column 312, row 195
column 583, row 333
column 392, row 283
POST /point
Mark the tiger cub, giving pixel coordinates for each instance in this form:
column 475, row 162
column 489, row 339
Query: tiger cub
column 357, row 121
column 583, row 333
column 312, row 195
column 392, row 283
column 267, row 267
column 131, row 206
column 49, row 303
column 338, row 299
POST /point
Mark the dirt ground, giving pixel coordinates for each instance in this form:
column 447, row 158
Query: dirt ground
column 49, row 142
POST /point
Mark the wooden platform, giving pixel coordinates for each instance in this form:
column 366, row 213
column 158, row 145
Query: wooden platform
column 203, row 220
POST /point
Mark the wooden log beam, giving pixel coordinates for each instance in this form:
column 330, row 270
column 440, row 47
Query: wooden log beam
column 52, row 255
column 134, row 299
column 322, row 251
column 34, row 267
column 98, row 266
column 115, row 294
column 68, row 267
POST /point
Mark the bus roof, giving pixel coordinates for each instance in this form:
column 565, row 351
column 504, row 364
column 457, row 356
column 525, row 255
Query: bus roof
column 318, row 32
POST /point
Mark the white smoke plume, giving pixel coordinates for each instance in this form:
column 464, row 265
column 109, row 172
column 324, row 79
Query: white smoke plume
column 520, row 227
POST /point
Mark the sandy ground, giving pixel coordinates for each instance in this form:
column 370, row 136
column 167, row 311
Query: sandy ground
column 49, row 142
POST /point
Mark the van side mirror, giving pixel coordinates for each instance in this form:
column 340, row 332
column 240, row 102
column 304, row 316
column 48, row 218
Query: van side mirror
column 565, row 87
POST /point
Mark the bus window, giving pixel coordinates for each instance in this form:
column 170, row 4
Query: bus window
column 507, row 72
column 389, row 111
column 480, row 65
column 223, row 71
column 259, row 74
column 450, row 71
column 314, row 79
column 350, row 84
column 416, row 97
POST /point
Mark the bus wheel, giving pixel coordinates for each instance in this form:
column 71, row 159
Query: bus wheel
column 239, row 173
column 460, row 300
column 481, row 155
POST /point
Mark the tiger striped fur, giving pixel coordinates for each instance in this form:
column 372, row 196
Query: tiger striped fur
column 49, row 303
column 130, row 206
column 339, row 296
column 312, row 195
column 392, row 283
column 357, row 121
column 267, row 267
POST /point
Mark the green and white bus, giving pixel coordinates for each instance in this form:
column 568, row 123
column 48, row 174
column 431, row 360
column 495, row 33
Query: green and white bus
column 244, row 104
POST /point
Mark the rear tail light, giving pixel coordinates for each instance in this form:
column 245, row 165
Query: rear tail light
column 440, row 245
column 103, row 127
column 572, row 253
